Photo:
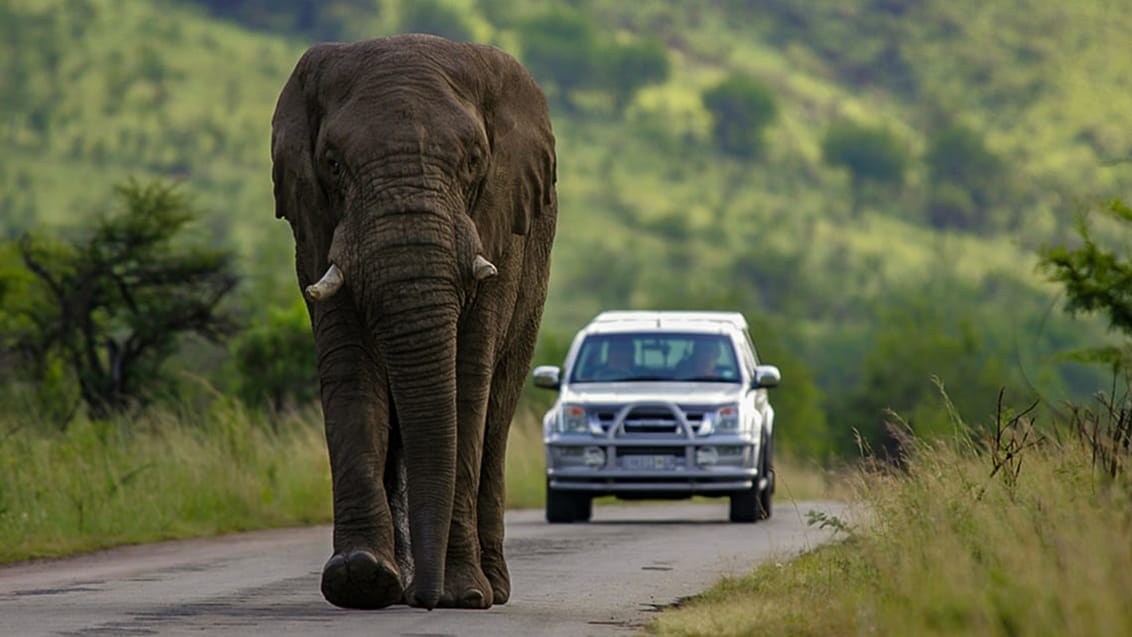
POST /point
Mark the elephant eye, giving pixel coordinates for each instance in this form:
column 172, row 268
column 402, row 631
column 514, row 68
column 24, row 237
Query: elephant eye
column 474, row 159
column 335, row 166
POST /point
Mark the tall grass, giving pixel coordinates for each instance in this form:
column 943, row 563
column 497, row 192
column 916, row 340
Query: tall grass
column 183, row 472
column 526, row 461
column 1022, row 532
column 167, row 474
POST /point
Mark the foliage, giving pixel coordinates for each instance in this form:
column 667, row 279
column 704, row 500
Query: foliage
column 109, row 303
column 321, row 20
column 435, row 17
column 948, row 544
column 183, row 470
column 967, row 178
column 275, row 360
column 33, row 46
column 921, row 347
column 559, row 50
column 566, row 51
column 802, row 429
column 952, row 206
column 871, row 154
column 1095, row 278
column 166, row 472
column 634, row 65
column 742, row 108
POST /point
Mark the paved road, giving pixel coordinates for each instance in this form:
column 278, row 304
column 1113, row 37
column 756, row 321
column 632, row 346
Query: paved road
column 605, row 578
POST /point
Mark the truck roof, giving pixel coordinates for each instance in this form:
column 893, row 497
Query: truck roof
column 616, row 320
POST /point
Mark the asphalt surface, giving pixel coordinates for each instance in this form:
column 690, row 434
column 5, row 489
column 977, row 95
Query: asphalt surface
column 607, row 577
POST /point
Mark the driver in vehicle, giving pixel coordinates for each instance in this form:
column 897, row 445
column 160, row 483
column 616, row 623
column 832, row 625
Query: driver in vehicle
column 702, row 362
column 618, row 361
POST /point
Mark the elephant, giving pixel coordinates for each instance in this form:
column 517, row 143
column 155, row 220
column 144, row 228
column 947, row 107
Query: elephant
column 418, row 177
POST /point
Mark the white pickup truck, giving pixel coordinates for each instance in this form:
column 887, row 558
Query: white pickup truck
column 660, row 405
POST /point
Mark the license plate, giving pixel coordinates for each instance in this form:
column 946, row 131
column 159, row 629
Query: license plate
column 648, row 463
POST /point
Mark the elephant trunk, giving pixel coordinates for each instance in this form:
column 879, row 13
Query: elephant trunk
column 408, row 282
column 421, row 357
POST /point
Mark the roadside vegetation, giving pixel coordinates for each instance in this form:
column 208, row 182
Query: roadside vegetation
column 1015, row 526
column 163, row 473
column 1023, row 532
column 181, row 471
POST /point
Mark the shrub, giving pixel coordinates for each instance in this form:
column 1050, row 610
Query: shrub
column 742, row 109
column 437, row 18
column 558, row 48
column 110, row 303
column 629, row 67
column 276, row 360
column 967, row 178
column 872, row 155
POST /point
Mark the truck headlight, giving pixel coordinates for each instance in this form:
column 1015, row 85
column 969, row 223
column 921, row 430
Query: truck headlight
column 594, row 457
column 727, row 419
column 706, row 456
column 572, row 420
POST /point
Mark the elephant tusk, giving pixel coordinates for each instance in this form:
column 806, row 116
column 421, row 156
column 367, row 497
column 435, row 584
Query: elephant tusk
column 483, row 269
column 328, row 285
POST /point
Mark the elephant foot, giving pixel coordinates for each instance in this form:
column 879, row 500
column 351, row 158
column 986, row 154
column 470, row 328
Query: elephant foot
column 465, row 586
column 495, row 568
column 416, row 600
column 359, row 579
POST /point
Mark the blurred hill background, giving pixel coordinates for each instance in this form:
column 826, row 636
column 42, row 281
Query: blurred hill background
column 869, row 181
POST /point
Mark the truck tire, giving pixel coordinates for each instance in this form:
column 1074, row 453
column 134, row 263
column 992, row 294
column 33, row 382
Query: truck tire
column 743, row 505
column 754, row 504
column 766, row 495
column 583, row 507
column 561, row 506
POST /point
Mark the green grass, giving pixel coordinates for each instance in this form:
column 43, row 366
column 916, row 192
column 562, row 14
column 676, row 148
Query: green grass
column 193, row 472
column 164, row 475
column 947, row 548
column 171, row 474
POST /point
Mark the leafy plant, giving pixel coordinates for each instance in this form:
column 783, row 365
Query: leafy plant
column 1095, row 278
column 559, row 49
column 435, row 17
column 966, row 178
column 629, row 67
column 276, row 361
column 109, row 303
column 871, row 154
column 742, row 108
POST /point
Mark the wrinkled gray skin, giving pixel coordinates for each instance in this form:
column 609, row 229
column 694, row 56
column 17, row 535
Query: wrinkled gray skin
column 400, row 161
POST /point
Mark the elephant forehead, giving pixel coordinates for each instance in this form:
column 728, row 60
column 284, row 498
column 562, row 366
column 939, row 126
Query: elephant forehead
column 403, row 119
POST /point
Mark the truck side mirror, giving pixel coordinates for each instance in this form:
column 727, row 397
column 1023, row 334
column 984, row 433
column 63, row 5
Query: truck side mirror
column 547, row 376
column 766, row 376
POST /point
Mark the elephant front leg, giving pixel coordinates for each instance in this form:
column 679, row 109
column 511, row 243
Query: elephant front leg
column 492, row 496
column 362, row 572
column 465, row 585
column 491, row 506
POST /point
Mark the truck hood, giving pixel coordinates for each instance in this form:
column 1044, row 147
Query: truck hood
column 691, row 393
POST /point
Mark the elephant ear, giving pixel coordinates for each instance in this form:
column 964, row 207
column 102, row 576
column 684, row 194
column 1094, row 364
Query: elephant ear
column 294, row 129
column 522, row 175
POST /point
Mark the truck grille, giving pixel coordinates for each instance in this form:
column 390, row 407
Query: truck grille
column 649, row 420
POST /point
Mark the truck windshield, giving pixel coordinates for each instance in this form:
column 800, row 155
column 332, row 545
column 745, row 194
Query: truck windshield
column 664, row 356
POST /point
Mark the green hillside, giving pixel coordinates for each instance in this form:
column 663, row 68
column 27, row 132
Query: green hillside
column 653, row 214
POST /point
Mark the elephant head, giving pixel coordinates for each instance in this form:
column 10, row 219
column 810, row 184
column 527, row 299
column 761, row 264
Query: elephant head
column 404, row 166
